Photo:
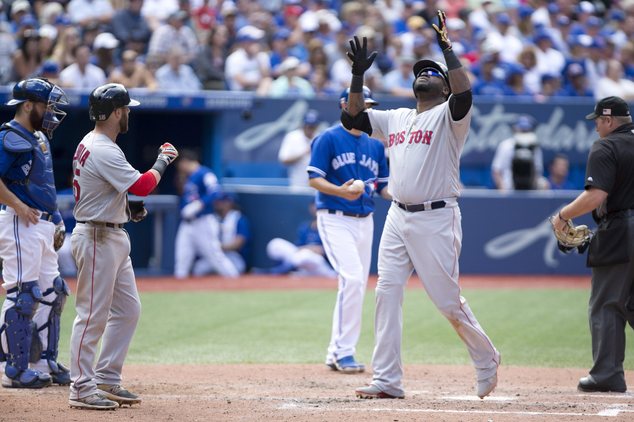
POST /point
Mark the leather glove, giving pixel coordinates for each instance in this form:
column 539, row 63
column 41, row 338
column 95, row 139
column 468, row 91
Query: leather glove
column 571, row 236
column 59, row 236
column 137, row 211
column 441, row 32
column 359, row 56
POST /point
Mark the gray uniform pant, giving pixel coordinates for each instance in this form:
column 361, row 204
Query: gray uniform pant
column 107, row 304
column 612, row 288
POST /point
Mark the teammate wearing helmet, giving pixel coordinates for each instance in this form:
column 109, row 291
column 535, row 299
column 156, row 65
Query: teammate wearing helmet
column 107, row 302
column 30, row 227
column 422, row 230
column 339, row 156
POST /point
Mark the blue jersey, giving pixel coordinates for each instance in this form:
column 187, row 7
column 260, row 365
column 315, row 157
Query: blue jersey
column 338, row 156
column 307, row 234
column 201, row 185
column 26, row 168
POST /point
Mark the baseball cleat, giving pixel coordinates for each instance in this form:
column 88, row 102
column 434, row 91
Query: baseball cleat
column 119, row 394
column 62, row 376
column 373, row 392
column 94, row 401
column 348, row 365
column 487, row 385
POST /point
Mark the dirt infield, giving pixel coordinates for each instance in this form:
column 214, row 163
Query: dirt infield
column 268, row 282
column 314, row 393
column 253, row 392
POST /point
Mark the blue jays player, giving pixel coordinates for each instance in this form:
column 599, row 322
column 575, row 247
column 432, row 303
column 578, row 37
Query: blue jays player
column 340, row 156
column 199, row 231
column 30, row 228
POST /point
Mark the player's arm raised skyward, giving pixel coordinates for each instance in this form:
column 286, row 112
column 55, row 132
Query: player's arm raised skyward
column 460, row 85
column 352, row 116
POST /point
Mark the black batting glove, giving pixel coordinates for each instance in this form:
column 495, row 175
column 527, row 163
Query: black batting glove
column 441, row 32
column 358, row 54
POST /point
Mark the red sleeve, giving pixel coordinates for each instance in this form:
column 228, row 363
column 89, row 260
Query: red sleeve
column 144, row 185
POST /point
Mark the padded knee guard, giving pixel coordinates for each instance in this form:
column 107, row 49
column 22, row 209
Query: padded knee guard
column 19, row 329
column 57, row 295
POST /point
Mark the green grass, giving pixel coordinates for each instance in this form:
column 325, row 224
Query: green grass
column 540, row 327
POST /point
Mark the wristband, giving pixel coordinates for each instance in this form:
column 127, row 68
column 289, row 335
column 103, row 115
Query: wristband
column 356, row 84
column 451, row 59
column 160, row 166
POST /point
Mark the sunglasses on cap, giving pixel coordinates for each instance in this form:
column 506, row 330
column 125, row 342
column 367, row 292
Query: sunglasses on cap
column 430, row 72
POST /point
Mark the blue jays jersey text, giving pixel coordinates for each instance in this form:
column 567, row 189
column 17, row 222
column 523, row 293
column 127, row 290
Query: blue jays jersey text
column 339, row 156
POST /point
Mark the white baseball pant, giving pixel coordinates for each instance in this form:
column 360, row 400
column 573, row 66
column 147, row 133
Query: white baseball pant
column 348, row 245
column 429, row 242
column 107, row 304
column 200, row 237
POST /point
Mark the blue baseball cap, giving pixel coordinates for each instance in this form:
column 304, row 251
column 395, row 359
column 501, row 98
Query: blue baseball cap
column 525, row 123
column 311, row 118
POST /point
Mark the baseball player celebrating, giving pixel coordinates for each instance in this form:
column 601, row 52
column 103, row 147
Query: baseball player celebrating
column 422, row 229
column 31, row 228
column 346, row 167
column 107, row 300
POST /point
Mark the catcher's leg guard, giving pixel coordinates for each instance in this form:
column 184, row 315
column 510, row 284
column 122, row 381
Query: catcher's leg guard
column 18, row 331
column 57, row 295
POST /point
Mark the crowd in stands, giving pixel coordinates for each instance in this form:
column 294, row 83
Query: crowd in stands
column 537, row 48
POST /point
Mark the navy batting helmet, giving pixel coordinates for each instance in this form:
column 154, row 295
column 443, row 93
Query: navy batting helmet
column 40, row 90
column 431, row 64
column 107, row 98
column 367, row 96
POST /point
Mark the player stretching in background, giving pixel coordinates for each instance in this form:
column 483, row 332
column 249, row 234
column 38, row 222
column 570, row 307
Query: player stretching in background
column 422, row 230
column 345, row 223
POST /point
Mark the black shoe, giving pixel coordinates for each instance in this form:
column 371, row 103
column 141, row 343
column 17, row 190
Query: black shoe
column 589, row 385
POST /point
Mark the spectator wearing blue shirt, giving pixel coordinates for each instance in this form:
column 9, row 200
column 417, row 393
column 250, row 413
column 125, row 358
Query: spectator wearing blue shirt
column 558, row 173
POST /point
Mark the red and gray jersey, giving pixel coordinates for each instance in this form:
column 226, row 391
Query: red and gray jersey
column 102, row 177
column 424, row 151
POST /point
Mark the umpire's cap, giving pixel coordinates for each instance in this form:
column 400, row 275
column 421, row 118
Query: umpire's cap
column 106, row 98
column 427, row 64
column 367, row 96
column 610, row 106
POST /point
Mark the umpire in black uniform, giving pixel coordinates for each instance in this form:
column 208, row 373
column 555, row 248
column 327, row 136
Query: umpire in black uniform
column 609, row 194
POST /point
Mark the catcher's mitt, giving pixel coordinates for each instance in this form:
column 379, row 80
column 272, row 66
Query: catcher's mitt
column 59, row 236
column 137, row 211
column 572, row 236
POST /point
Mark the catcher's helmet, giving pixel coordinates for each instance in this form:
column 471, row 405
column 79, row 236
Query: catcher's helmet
column 107, row 98
column 40, row 90
column 367, row 96
column 426, row 64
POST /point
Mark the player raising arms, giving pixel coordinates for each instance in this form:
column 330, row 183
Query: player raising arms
column 422, row 231
column 107, row 300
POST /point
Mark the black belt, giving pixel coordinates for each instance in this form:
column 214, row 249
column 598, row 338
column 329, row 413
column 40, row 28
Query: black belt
column 421, row 207
column 46, row 216
column 347, row 214
column 618, row 214
column 101, row 224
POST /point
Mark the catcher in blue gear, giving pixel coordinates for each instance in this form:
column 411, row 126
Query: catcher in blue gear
column 31, row 227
